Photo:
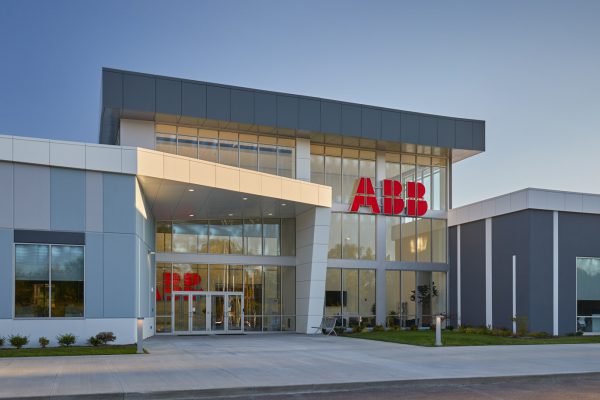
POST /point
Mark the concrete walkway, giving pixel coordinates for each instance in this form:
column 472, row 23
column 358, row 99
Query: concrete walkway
column 226, row 362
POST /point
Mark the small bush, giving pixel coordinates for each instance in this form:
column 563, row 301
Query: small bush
column 43, row 341
column 94, row 341
column 501, row 332
column 414, row 328
column 378, row 328
column 18, row 341
column 66, row 340
column 449, row 328
column 540, row 335
column 106, row 337
column 522, row 323
column 1, row 341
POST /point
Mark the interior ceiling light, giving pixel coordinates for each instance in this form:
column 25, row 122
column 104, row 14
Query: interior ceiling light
column 230, row 214
column 190, row 190
column 244, row 198
column 269, row 214
column 283, row 204
column 191, row 215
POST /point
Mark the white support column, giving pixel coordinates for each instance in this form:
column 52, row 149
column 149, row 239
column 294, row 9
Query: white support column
column 458, row 298
column 303, row 159
column 555, row 273
column 312, row 242
column 514, row 294
column 488, row 272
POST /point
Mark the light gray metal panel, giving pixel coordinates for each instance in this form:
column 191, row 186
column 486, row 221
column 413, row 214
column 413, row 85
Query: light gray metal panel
column 112, row 89
column 168, row 96
column 309, row 115
column 445, row 132
column 32, row 196
column 409, row 127
column 479, row 135
column 351, row 120
column 144, row 259
column 118, row 203
column 6, row 273
column 265, row 109
column 242, row 106
column 193, row 100
column 67, row 199
column 371, row 123
column 6, row 195
column 119, row 279
column 139, row 94
column 331, row 116
column 94, row 275
column 390, row 125
column 427, row 131
column 464, row 134
column 217, row 103
column 93, row 202
column 287, row 112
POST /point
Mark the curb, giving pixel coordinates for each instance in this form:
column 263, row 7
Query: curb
column 227, row 393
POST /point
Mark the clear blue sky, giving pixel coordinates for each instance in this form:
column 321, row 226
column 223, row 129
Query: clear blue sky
column 531, row 69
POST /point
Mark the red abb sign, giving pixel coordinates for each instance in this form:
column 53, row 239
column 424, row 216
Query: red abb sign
column 393, row 203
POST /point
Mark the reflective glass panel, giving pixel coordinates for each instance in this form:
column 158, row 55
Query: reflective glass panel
column 187, row 146
column 393, row 239
column 317, row 168
column 424, row 294
column 163, row 296
column 392, row 297
column 253, row 298
column 208, row 145
column 408, row 313
column 335, row 236
column 67, row 281
column 408, row 249
column 288, row 298
column 226, row 237
column 288, row 237
column 438, row 238
column 367, row 236
column 267, row 158
column 218, row 278
column 588, row 294
column 285, row 161
column 163, row 236
column 423, row 240
column 228, row 152
column 32, row 280
column 249, row 155
column 333, row 292
column 253, row 237
column 272, row 307
column 349, row 177
column 350, row 236
column 234, row 279
column 350, row 292
column 271, row 237
column 333, row 176
column 166, row 142
column 438, row 300
column 366, row 293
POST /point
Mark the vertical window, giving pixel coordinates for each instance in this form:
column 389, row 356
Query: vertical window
column 366, row 294
column 350, row 293
column 253, row 237
column 333, row 172
column 392, row 166
column 349, row 173
column 49, row 281
column 408, row 249
column 228, row 148
column 438, row 238
column 271, row 237
column 392, row 297
column 367, row 236
column 163, row 236
column 408, row 170
column 248, row 152
column 267, row 155
column 253, row 298
column 187, row 142
column 334, row 297
column 393, row 239
column 588, row 294
column 317, row 164
column 286, row 157
column 350, row 236
column 166, row 138
column 438, row 301
column 423, row 240
column 367, row 164
column 272, row 307
column 438, row 183
column 218, row 278
column 335, row 236
column 234, row 278
column 408, row 313
column 288, row 237
column 163, row 297
column 424, row 175
column 288, row 298
column 208, row 145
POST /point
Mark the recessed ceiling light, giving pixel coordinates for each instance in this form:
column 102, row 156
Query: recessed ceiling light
column 244, row 198
column 191, row 215
column 283, row 204
column 230, row 214
column 190, row 190
column 269, row 214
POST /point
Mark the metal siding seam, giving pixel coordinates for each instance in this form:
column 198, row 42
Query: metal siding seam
column 488, row 272
column 555, row 273
column 458, row 288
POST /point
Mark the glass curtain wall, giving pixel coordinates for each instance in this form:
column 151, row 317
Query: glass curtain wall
column 267, row 154
column 415, row 239
column 256, row 236
column 49, row 281
column 350, row 295
column 352, row 236
column 269, row 292
column 413, row 298
column 588, row 294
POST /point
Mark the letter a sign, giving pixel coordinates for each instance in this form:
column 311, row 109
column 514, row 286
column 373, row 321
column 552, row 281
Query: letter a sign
column 393, row 203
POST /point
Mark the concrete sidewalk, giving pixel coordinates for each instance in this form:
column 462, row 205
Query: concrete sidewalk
column 196, row 363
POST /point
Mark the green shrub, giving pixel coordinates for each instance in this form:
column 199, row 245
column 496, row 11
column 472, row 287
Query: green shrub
column 540, row 335
column 578, row 333
column 43, row 341
column 378, row 328
column 2, row 341
column 66, row 340
column 449, row 328
column 522, row 325
column 18, row 341
column 501, row 332
column 414, row 328
column 94, row 341
column 106, row 337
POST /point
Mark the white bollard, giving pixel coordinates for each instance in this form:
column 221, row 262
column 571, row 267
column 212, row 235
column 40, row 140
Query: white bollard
column 140, row 335
column 438, row 330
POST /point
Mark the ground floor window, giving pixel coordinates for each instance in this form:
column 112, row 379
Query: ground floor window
column 413, row 298
column 350, row 294
column 49, row 281
column 588, row 294
column 269, row 292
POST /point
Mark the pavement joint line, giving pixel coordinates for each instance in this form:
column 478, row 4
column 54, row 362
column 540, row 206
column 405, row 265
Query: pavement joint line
column 265, row 391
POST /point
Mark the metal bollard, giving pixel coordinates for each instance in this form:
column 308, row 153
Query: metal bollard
column 438, row 330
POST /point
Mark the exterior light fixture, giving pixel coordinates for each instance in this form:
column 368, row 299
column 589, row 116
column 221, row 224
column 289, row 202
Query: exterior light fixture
column 244, row 198
column 190, row 190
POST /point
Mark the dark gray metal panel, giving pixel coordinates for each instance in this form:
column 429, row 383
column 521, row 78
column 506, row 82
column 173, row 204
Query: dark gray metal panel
column 427, row 131
column 371, row 123
column 452, row 281
column 464, row 135
column 193, row 100
column 409, row 128
column 445, row 132
column 540, row 271
column 6, row 273
column 331, row 117
column 351, row 120
column 390, row 125
column 217, row 103
column 265, row 108
column 94, row 275
column 48, row 237
column 309, row 115
column 472, row 267
column 506, row 242
column 242, row 106
column 168, row 96
column 139, row 94
column 479, row 135
column 577, row 237
column 112, row 89
column 67, row 199
column 287, row 112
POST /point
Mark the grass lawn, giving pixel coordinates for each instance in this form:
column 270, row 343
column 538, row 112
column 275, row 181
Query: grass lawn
column 454, row 338
column 70, row 351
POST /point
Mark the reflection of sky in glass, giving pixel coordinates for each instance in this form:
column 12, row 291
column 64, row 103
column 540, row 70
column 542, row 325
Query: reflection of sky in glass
column 589, row 266
column 31, row 262
column 67, row 263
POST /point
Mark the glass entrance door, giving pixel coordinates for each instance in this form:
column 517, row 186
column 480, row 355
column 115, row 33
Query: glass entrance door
column 206, row 312
column 189, row 312
column 198, row 313
column 217, row 309
column 235, row 315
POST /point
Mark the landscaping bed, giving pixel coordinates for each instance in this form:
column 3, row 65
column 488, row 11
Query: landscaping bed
column 69, row 351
